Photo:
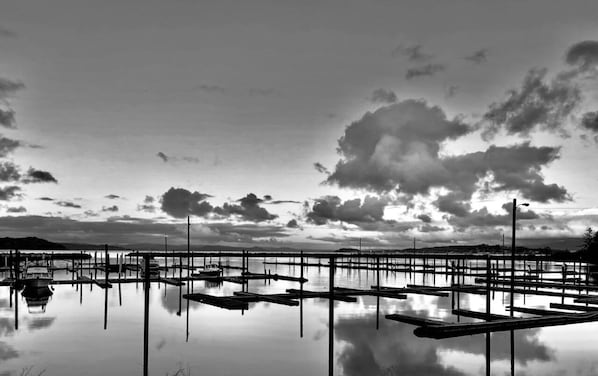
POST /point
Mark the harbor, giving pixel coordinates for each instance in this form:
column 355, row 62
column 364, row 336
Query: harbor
column 478, row 293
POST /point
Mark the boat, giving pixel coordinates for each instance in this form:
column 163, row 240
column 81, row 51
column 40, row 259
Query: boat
column 36, row 275
column 209, row 270
column 154, row 268
column 37, row 298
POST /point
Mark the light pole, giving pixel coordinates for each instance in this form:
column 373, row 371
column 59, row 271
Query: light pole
column 515, row 206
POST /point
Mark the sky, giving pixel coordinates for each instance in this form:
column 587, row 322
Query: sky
column 307, row 124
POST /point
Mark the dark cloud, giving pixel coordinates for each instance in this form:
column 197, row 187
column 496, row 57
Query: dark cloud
column 167, row 158
column 321, row 168
column 511, row 168
column 112, row 208
column 331, row 208
column 397, row 145
column 68, row 204
column 412, row 53
column 9, row 172
column 536, row 105
column 275, row 202
column 39, row 176
column 8, row 145
column 162, row 156
column 7, row 118
column 583, row 54
column 248, row 210
column 19, row 209
column 397, row 148
column 267, row 197
column 590, row 121
column 147, row 205
column 424, row 218
column 430, row 228
column 292, row 223
column 112, row 196
column 180, row 203
column 240, row 233
column 9, row 192
column 483, row 218
column 478, row 57
column 46, row 199
column 122, row 230
column 424, row 70
column 383, row 96
column 9, row 87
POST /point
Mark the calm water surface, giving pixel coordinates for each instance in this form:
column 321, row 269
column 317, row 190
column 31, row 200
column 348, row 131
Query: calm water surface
column 76, row 335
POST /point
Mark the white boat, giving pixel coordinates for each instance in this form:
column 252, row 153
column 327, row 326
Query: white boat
column 210, row 270
column 154, row 268
column 36, row 275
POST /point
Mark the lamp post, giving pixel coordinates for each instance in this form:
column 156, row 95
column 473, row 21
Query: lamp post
column 515, row 206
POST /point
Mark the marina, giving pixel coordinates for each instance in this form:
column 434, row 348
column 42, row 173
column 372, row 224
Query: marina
column 454, row 281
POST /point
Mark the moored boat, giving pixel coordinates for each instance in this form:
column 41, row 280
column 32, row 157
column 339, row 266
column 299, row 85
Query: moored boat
column 210, row 270
column 36, row 275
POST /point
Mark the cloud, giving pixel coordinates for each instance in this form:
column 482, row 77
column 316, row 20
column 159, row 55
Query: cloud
column 68, row 204
column 478, row 57
column 321, row 168
column 9, row 87
column 536, row 105
column 590, row 121
column 8, row 145
column 9, row 172
column 583, row 54
column 7, row 118
column 412, row 53
column 46, row 199
column 112, row 196
column 9, row 192
column 397, row 148
column 424, row 218
column 292, row 223
column 424, row 70
column 509, row 168
column 162, row 156
column 39, row 176
column 112, row 208
column 167, row 158
column 331, row 208
column 147, row 205
column 397, row 145
column 383, row 96
column 180, row 203
column 19, row 209
column 248, row 210
column 483, row 218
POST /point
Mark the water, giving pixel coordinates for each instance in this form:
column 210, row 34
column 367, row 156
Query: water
column 86, row 330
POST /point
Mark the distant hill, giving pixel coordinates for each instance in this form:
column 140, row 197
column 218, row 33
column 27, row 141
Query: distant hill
column 29, row 243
